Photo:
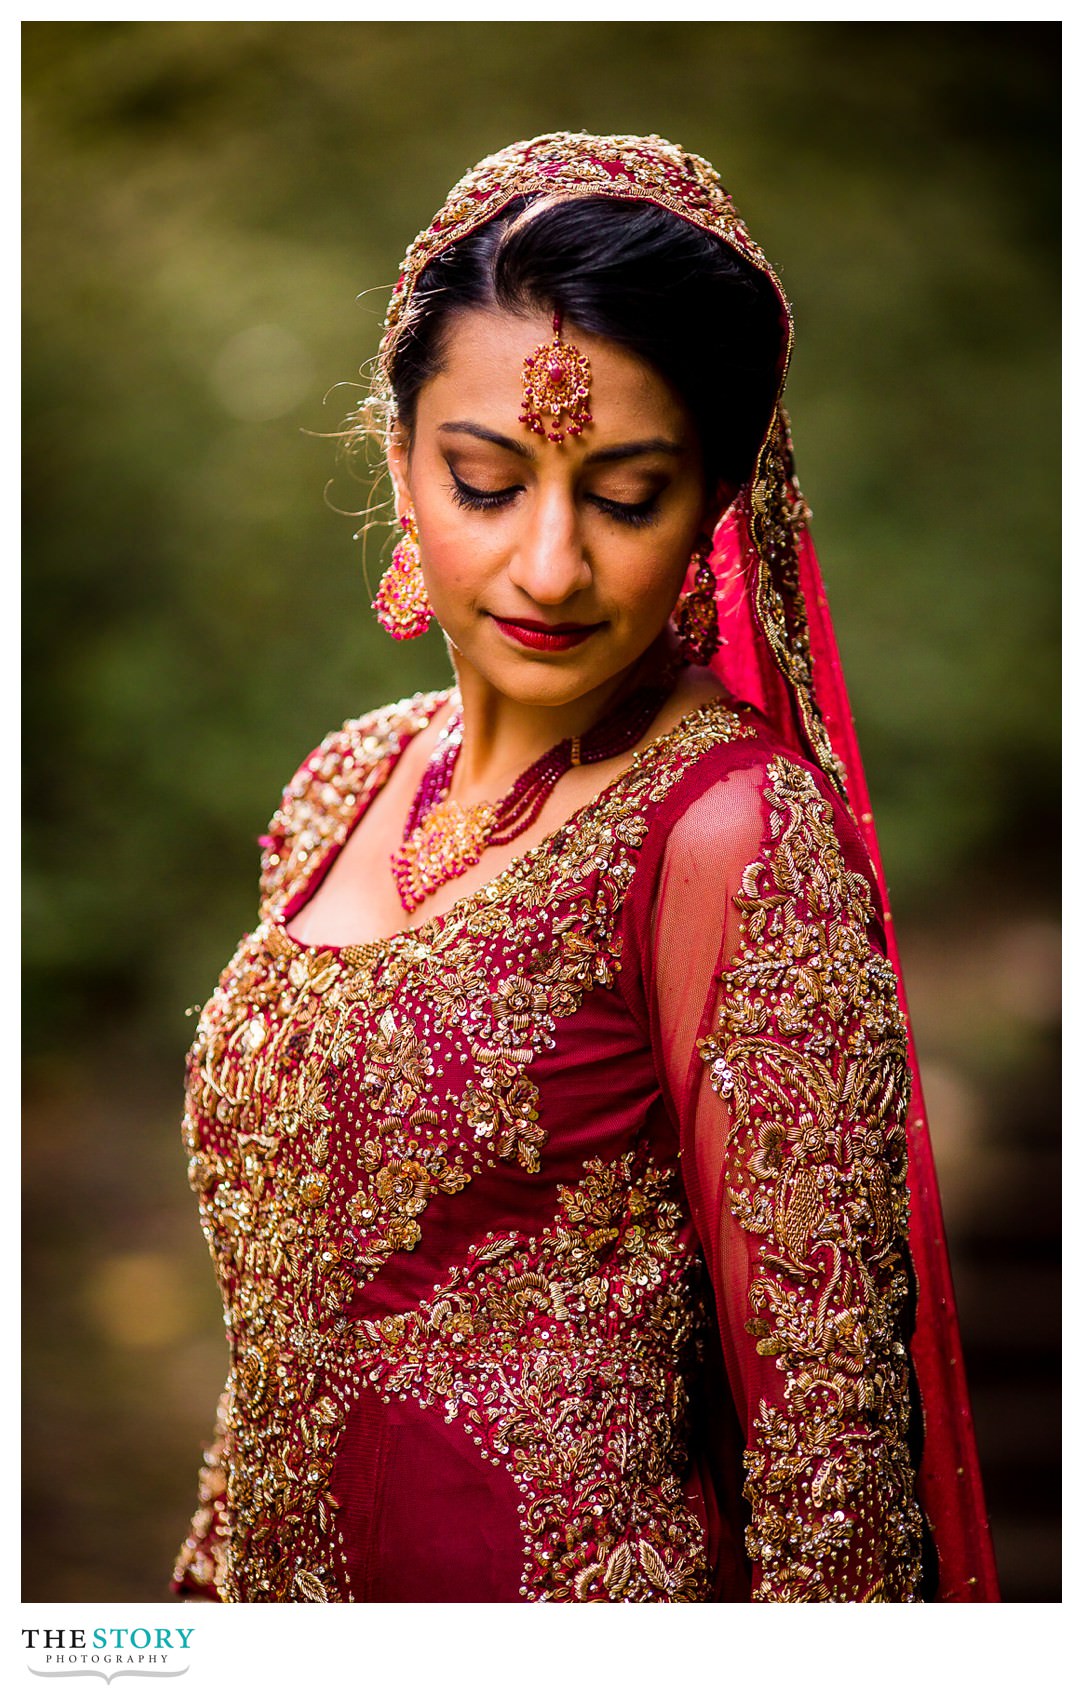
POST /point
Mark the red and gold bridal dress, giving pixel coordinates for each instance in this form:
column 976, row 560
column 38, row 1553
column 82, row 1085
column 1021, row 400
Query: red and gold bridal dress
column 563, row 1240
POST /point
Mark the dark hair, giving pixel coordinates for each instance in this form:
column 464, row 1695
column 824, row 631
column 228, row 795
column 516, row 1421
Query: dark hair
column 703, row 317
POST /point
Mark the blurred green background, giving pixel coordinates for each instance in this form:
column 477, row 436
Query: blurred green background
column 214, row 213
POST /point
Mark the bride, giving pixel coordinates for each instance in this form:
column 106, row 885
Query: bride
column 555, row 1131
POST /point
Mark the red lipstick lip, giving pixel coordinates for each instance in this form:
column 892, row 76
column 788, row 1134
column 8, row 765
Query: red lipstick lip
column 532, row 634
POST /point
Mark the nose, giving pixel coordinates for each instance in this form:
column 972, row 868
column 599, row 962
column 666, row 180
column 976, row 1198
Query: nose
column 549, row 564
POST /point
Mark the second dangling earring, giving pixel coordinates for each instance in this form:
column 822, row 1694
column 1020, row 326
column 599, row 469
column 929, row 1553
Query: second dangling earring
column 402, row 603
column 696, row 614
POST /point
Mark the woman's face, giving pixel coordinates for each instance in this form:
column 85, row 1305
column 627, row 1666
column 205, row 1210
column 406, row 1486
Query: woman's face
column 550, row 567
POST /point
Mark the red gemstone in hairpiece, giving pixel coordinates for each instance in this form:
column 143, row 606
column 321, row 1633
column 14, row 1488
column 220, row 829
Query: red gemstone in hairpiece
column 556, row 382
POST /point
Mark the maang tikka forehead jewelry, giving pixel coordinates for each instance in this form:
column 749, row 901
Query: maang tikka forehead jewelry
column 556, row 380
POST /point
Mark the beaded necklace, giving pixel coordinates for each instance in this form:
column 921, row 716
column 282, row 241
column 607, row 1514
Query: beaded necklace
column 442, row 839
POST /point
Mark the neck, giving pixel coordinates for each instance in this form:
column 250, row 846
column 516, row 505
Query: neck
column 502, row 737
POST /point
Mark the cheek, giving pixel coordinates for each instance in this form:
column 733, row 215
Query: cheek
column 454, row 558
column 649, row 578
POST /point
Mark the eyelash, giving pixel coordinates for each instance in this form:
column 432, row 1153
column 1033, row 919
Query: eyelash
column 467, row 497
column 625, row 513
column 628, row 513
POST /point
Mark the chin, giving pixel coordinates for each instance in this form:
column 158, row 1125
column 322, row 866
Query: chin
column 554, row 683
column 538, row 688
column 540, row 681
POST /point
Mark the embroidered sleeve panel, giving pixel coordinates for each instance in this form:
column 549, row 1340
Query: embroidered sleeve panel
column 329, row 790
column 806, row 1062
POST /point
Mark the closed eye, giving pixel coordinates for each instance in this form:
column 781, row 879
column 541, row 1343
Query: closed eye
column 468, row 497
column 628, row 513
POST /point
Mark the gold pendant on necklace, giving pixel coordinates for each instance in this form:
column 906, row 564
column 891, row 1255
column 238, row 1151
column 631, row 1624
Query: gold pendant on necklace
column 449, row 840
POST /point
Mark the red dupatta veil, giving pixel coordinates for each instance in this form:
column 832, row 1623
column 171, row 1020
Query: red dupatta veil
column 778, row 653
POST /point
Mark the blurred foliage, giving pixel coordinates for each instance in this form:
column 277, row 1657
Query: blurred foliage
column 203, row 203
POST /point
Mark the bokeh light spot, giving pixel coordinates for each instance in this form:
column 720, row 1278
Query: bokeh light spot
column 136, row 1300
column 261, row 373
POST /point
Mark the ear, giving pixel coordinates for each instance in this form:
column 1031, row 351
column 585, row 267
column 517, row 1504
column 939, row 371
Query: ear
column 398, row 464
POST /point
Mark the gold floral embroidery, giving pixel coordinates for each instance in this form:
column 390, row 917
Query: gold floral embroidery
column 203, row 1556
column 334, row 1094
column 773, row 514
column 255, row 1128
column 810, row 1053
column 567, row 1357
column 330, row 791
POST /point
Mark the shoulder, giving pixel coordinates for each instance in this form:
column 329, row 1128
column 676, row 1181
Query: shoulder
column 324, row 794
column 748, row 811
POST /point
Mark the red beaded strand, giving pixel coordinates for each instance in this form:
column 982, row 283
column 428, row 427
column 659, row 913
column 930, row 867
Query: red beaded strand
column 442, row 839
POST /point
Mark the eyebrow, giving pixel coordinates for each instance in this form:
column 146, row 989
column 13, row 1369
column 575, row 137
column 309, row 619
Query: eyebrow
column 619, row 451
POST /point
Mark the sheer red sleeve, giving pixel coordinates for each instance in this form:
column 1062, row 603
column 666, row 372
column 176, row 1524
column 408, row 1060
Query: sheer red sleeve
column 782, row 1054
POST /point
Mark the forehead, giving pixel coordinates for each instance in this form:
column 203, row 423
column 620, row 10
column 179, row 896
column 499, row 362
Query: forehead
column 481, row 376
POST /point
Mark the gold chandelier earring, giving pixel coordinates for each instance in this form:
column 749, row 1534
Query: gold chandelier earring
column 402, row 603
column 696, row 614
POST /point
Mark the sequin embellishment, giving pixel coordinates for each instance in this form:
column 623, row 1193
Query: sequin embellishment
column 334, row 1095
column 809, row 1053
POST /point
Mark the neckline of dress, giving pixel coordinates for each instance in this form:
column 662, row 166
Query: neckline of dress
column 427, row 931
